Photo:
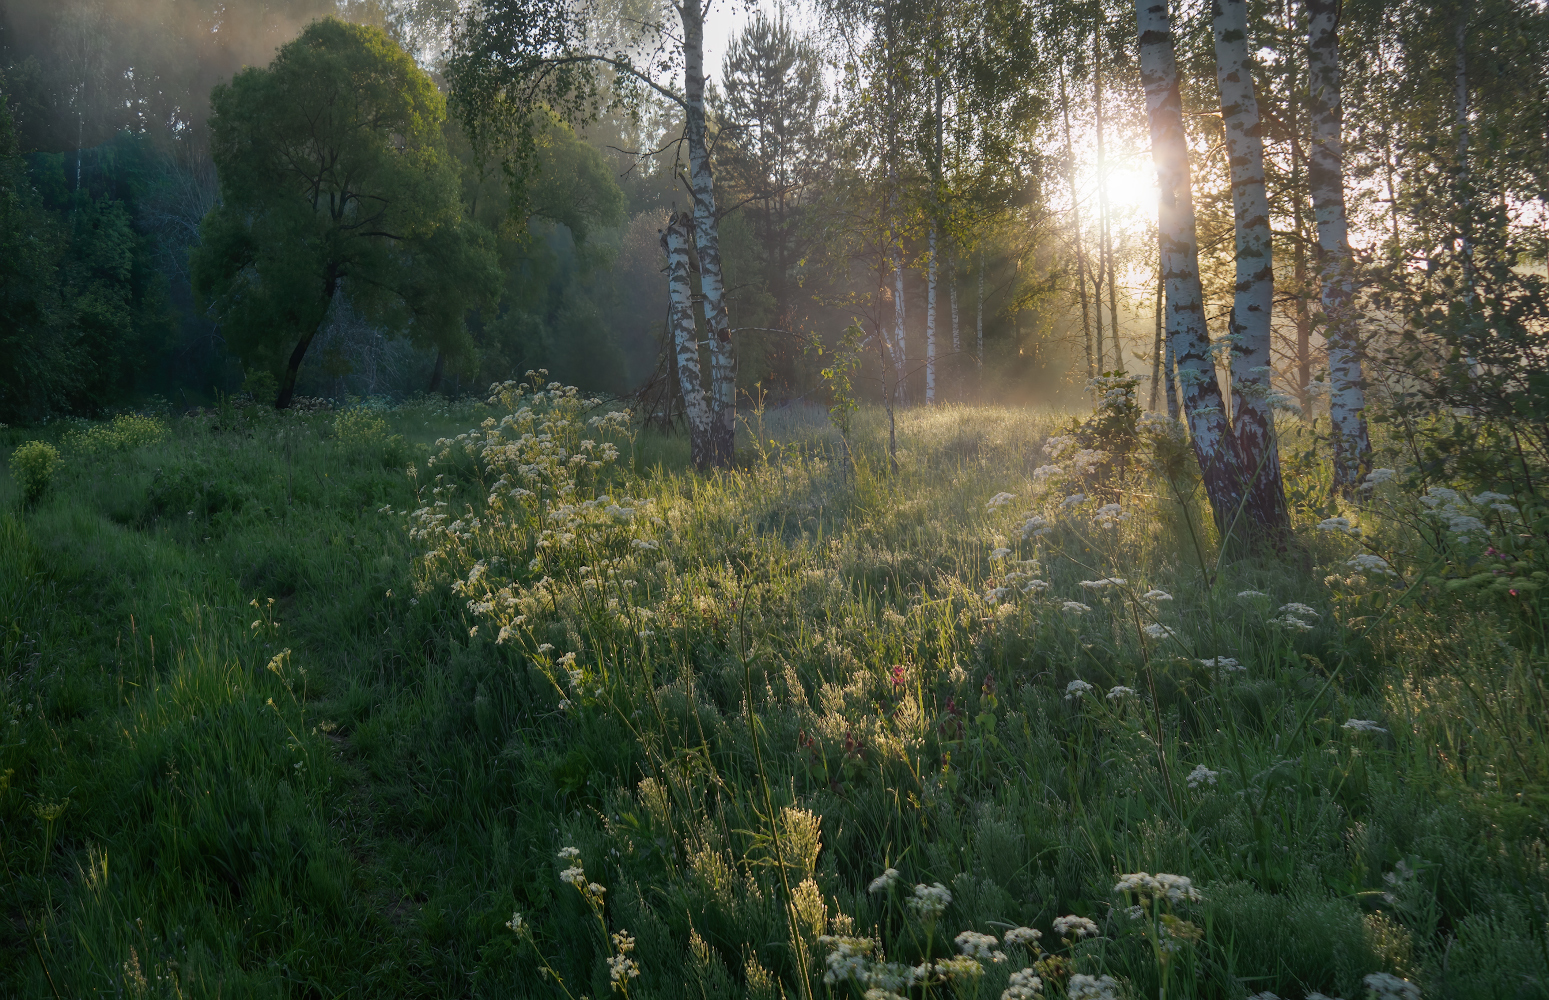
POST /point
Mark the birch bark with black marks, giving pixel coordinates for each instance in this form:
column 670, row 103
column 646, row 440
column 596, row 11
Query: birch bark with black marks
column 1253, row 419
column 1156, row 343
column 723, row 367
column 1187, row 338
column 979, row 325
column 685, row 339
column 957, row 340
column 1326, row 181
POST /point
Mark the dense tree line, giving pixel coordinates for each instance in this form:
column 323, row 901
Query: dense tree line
column 1352, row 199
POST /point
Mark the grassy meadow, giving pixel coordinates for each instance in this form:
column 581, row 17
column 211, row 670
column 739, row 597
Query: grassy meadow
column 439, row 701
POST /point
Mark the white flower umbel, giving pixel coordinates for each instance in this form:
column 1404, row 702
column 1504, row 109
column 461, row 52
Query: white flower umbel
column 981, row 946
column 1036, row 526
column 1223, row 664
column 1083, row 987
column 1074, row 608
column 1024, row 985
column 1022, row 936
column 883, row 882
column 1173, row 888
column 1250, row 595
column 1156, row 595
column 1072, row 926
column 1157, row 631
column 1377, row 477
column 999, row 553
column 1386, row 986
column 1362, row 726
column 1076, row 689
column 1074, row 500
column 1201, row 776
column 999, row 500
column 1107, row 581
column 1338, row 526
column 1368, row 563
column 1120, row 692
column 1298, row 609
column 930, row 901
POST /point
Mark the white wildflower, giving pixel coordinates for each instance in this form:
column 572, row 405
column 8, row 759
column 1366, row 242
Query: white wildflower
column 1044, row 472
column 960, row 967
column 1338, row 525
column 1107, row 581
column 1174, row 888
column 568, row 853
column 1120, row 691
column 930, row 901
column 1201, row 775
column 1074, row 926
column 1035, row 587
column 1109, row 515
column 976, row 945
column 1250, row 595
column 516, row 923
column 1076, row 689
column 1223, row 663
column 1377, row 477
column 1362, row 726
column 884, row 881
column 1156, row 631
column 1296, row 608
column 1074, row 607
column 1292, row 622
column 999, row 553
column 1022, row 936
column 1024, row 985
column 999, row 500
column 1075, row 499
column 1368, row 563
column 1156, row 595
column 1036, row 526
column 574, row 875
column 1083, row 987
column 848, row 959
column 1385, row 986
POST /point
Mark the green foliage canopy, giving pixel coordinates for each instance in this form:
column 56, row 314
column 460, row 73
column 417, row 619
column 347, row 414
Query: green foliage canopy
column 335, row 180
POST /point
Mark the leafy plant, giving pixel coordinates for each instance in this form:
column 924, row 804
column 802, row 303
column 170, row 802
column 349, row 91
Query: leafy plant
column 33, row 466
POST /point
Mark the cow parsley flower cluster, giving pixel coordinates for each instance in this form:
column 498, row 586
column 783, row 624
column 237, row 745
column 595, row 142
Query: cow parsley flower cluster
column 930, row 901
column 1161, row 886
column 1072, row 926
column 1201, row 776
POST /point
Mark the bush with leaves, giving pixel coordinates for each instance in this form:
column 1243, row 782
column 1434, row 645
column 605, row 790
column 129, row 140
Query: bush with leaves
column 33, row 466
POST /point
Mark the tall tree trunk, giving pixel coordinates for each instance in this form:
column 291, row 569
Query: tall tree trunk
column 1253, row 418
column 293, row 366
column 1303, row 319
column 979, row 326
column 438, row 371
column 1156, row 343
column 1189, row 341
column 1170, row 376
column 1325, row 177
column 930, row 322
column 1105, row 215
column 1075, row 210
column 685, row 339
column 723, row 364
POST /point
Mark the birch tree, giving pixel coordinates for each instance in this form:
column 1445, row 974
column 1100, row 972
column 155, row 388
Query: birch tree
column 1253, row 301
column 516, row 58
column 1347, row 401
column 685, row 339
column 1188, row 341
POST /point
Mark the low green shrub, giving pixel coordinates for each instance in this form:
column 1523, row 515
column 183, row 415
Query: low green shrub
column 33, row 466
column 123, row 432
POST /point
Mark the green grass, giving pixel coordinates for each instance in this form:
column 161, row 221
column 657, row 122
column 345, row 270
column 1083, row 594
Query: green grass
column 360, row 816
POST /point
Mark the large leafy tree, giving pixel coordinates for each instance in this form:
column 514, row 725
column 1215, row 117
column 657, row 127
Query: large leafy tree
column 336, row 182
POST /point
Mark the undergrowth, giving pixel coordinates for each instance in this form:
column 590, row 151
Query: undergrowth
column 351, row 705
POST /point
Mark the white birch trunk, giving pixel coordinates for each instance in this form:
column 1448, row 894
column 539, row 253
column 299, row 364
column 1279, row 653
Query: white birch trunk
column 723, row 370
column 680, row 319
column 1325, row 177
column 930, row 323
column 1252, row 414
column 1188, row 340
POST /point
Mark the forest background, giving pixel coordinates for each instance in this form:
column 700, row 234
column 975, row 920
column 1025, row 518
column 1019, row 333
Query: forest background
column 1025, row 152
